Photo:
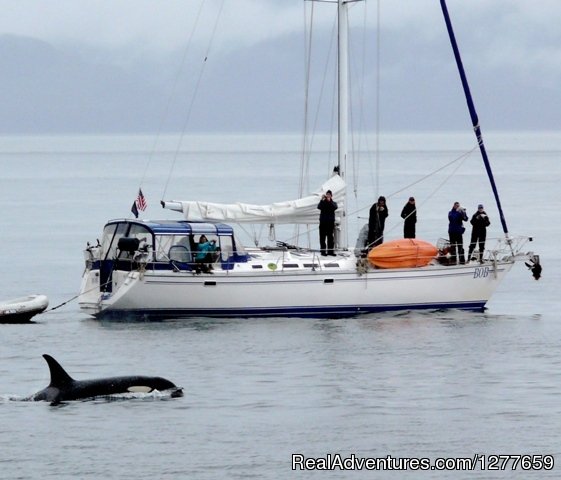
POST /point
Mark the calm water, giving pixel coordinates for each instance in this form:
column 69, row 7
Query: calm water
column 437, row 384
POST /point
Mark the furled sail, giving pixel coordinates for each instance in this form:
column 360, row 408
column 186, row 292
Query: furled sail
column 303, row 210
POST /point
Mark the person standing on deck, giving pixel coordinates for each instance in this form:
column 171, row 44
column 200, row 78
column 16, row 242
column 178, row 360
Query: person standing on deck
column 327, row 207
column 409, row 214
column 480, row 222
column 376, row 222
column 456, row 229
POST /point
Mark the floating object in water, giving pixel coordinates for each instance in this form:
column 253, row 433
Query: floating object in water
column 22, row 309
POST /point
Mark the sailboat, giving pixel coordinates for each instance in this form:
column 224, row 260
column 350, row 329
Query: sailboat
column 157, row 269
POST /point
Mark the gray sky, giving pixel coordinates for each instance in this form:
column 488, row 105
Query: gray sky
column 110, row 66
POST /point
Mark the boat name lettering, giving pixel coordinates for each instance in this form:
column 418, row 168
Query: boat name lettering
column 481, row 272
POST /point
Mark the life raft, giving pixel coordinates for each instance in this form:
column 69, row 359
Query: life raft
column 20, row 310
column 402, row 253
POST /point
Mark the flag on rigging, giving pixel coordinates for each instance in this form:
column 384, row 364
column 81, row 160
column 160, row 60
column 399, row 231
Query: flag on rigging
column 139, row 204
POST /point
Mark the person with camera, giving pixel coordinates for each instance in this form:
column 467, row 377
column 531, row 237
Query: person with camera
column 409, row 215
column 480, row 222
column 377, row 221
column 456, row 230
column 203, row 257
column 327, row 207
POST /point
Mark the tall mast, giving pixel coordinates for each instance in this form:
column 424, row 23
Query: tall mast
column 343, row 105
column 473, row 113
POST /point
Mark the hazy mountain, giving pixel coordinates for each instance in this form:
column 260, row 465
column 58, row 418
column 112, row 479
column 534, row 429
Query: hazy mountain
column 80, row 89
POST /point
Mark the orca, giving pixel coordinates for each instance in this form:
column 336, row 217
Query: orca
column 63, row 387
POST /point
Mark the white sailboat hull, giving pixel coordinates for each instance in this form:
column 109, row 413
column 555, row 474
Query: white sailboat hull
column 155, row 268
column 319, row 293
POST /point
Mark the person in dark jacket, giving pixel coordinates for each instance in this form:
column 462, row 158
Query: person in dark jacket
column 376, row 222
column 456, row 229
column 409, row 214
column 327, row 207
column 480, row 222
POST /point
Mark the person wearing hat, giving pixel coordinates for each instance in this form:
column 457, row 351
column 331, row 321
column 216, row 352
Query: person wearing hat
column 327, row 207
column 480, row 222
column 376, row 222
column 409, row 214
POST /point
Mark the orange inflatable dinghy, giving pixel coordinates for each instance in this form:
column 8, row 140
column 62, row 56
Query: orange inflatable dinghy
column 402, row 253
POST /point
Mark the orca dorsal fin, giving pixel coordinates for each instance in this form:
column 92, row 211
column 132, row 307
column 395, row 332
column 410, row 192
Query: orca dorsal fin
column 59, row 377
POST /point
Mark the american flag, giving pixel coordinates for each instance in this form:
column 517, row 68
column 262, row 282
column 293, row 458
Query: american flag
column 139, row 204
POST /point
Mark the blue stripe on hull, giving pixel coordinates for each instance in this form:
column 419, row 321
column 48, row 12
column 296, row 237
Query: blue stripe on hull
column 327, row 311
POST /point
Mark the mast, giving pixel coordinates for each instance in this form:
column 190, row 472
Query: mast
column 473, row 113
column 343, row 104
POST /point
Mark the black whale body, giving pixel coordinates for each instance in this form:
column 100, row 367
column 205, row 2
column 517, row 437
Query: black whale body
column 63, row 387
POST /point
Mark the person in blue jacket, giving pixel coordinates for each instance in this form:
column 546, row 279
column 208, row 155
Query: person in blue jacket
column 456, row 230
column 327, row 207
column 203, row 258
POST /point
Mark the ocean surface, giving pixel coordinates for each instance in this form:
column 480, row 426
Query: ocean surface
column 430, row 385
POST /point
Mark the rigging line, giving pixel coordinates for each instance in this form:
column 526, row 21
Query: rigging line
column 191, row 104
column 356, row 150
column 352, row 122
column 250, row 232
column 463, row 158
column 307, row 54
column 356, row 159
column 323, row 85
column 167, row 107
column 307, row 65
column 378, row 88
column 333, row 143
column 321, row 96
column 305, row 158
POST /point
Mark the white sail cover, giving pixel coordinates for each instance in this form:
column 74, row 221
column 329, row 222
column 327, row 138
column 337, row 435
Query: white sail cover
column 303, row 210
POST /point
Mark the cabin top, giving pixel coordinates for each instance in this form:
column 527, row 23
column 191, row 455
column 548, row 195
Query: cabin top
column 175, row 227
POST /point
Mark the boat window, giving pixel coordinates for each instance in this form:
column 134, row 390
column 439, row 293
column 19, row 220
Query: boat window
column 179, row 253
column 240, row 250
column 226, row 248
column 164, row 244
column 108, row 233
column 142, row 233
column 111, row 235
